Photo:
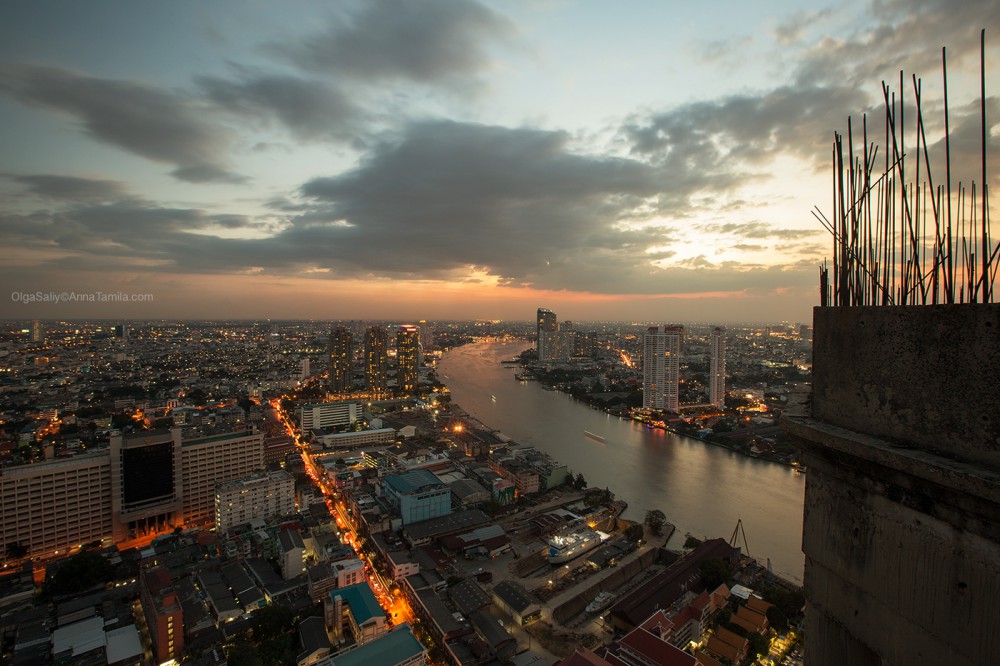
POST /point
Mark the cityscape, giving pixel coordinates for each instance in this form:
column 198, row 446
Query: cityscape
column 480, row 333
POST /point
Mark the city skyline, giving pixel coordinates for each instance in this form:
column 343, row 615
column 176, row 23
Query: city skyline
column 460, row 160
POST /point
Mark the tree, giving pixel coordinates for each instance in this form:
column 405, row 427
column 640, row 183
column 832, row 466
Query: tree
column 596, row 497
column 691, row 542
column 655, row 520
column 243, row 655
column 634, row 532
column 714, row 572
column 80, row 572
column 272, row 621
column 579, row 482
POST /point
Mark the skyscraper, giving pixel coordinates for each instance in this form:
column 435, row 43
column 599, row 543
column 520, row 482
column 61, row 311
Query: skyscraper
column 341, row 359
column 661, row 368
column 545, row 323
column 717, row 371
column 408, row 358
column 37, row 331
column 376, row 359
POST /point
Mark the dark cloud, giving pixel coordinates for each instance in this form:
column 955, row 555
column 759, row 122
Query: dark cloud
column 157, row 125
column 70, row 188
column 757, row 230
column 720, row 137
column 435, row 42
column 308, row 108
column 900, row 35
column 439, row 200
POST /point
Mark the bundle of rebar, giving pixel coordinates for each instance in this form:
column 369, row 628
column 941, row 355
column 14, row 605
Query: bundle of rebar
column 899, row 242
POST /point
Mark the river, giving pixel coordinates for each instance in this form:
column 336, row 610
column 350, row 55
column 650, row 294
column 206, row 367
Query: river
column 702, row 489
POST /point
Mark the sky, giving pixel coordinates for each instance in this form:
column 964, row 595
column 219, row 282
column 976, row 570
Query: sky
column 448, row 159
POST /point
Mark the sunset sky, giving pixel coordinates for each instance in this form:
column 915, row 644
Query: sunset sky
column 651, row 161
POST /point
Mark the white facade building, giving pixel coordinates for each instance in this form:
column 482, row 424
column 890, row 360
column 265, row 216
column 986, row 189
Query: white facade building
column 260, row 495
column 328, row 414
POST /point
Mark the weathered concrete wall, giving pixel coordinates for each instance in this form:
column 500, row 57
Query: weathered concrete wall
column 902, row 503
column 907, row 586
column 926, row 376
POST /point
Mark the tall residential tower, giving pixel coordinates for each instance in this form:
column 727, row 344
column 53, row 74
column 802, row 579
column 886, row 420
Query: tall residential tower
column 717, row 371
column 408, row 358
column 341, row 359
column 545, row 323
column 661, row 348
column 376, row 359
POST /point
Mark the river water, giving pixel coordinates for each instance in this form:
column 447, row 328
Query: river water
column 702, row 489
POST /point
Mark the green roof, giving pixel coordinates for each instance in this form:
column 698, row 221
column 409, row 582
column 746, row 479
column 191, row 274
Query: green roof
column 361, row 600
column 395, row 648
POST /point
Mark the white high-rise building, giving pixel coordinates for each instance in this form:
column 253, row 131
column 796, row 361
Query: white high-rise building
column 717, row 371
column 661, row 363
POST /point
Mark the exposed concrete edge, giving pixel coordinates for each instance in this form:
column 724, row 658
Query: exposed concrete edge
column 971, row 479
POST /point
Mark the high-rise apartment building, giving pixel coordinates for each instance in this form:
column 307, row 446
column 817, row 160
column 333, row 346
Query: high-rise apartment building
column 341, row 359
column 661, row 347
column 212, row 459
column 717, row 369
column 37, row 331
column 376, row 359
column 408, row 358
column 545, row 322
column 260, row 495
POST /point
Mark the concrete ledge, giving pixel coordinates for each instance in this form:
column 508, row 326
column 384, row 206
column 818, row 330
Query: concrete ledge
column 923, row 375
column 819, row 437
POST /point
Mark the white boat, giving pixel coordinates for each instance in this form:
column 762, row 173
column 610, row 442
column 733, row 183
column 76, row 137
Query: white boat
column 600, row 602
column 493, row 398
column 593, row 436
column 564, row 547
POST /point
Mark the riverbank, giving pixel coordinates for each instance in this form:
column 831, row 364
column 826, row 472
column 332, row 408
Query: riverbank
column 737, row 440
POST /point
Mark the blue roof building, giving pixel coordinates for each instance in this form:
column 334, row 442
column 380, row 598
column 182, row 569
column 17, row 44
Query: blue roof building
column 418, row 494
column 356, row 606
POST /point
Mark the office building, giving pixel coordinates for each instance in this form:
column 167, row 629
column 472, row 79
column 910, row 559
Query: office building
column 146, row 480
column 661, row 351
column 717, row 369
column 328, row 415
column 260, row 495
column 408, row 358
column 545, row 322
column 377, row 360
column 341, row 359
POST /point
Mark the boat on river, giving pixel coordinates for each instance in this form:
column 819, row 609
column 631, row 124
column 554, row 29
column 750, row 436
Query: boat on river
column 594, row 437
